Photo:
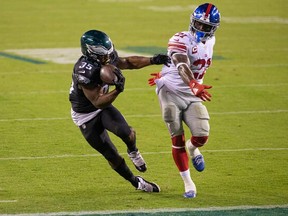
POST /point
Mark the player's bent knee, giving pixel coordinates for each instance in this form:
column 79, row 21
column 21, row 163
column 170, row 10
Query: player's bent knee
column 131, row 138
column 132, row 135
column 199, row 141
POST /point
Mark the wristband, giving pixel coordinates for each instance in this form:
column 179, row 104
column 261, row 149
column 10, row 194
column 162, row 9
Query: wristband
column 192, row 83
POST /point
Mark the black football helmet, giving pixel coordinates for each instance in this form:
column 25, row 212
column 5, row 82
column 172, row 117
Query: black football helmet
column 97, row 46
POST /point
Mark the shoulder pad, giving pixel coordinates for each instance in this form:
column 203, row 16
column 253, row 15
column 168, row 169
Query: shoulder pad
column 178, row 43
column 87, row 72
column 82, row 79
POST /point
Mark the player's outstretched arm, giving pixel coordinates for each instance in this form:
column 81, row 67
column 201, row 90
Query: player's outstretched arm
column 137, row 62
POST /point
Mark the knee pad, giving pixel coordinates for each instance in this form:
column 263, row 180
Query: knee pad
column 178, row 141
column 199, row 141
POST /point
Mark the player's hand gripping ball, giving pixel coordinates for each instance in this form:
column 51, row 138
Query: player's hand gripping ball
column 107, row 74
column 112, row 75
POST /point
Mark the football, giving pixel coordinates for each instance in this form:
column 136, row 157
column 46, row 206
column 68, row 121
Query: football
column 107, row 74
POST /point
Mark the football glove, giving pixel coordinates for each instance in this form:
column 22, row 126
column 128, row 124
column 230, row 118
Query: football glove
column 159, row 59
column 199, row 90
column 120, row 82
column 155, row 76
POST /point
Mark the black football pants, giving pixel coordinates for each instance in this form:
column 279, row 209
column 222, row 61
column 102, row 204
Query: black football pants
column 95, row 132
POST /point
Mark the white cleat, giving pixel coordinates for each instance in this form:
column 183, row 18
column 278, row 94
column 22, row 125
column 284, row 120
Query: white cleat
column 147, row 186
column 138, row 160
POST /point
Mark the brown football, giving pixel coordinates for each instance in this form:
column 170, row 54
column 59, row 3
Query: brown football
column 107, row 75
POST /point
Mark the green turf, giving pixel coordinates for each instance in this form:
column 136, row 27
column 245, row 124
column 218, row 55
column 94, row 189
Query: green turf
column 46, row 165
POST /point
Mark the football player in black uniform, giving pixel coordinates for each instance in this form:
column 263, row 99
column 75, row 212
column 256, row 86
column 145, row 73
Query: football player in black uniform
column 92, row 110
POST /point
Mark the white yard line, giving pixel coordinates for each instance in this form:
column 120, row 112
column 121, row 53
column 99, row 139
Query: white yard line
column 8, row 201
column 70, row 55
column 152, row 115
column 34, row 119
column 12, row 73
column 143, row 153
column 151, row 211
column 140, row 89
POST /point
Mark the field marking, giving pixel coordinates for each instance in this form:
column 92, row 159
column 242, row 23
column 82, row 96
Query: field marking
column 11, row 56
column 151, row 115
column 169, row 8
column 151, row 211
column 39, row 92
column 6, row 73
column 58, row 55
column 121, row 1
column 141, row 89
column 255, row 19
column 251, row 85
column 248, row 112
column 8, row 201
column 35, row 119
column 143, row 153
column 70, row 55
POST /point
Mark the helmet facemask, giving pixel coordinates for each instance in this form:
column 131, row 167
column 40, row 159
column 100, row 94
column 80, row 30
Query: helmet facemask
column 202, row 30
column 100, row 54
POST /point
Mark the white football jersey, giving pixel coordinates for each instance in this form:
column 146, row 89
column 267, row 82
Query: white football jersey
column 200, row 56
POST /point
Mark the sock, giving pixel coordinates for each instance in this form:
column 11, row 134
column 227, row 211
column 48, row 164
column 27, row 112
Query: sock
column 124, row 171
column 193, row 150
column 188, row 183
column 180, row 158
column 179, row 153
column 131, row 141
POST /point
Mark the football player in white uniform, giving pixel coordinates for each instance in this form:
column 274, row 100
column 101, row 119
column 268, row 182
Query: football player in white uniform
column 181, row 92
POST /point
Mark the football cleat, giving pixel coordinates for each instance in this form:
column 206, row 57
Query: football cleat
column 198, row 163
column 147, row 186
column 138, row 160
column 190, row 194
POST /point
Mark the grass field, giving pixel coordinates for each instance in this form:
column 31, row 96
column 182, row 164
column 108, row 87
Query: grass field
column 47, row 167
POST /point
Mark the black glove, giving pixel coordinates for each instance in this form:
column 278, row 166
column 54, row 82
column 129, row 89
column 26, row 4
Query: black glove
column 119, row 84
column 159, row 59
